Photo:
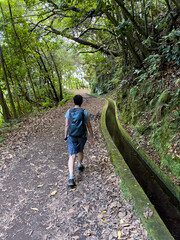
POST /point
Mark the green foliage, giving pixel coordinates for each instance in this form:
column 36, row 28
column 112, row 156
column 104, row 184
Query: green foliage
column 30, row 3
column 151, row 67
column 39, row 64
column 134, row 91
column 170, row 46
column 2, row 139
column 67, row 96
column 153, row 111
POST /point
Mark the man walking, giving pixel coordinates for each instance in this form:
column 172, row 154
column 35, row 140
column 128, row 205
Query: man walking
column 77, row 121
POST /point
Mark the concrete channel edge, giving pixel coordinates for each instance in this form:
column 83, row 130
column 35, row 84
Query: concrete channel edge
column 154, row 225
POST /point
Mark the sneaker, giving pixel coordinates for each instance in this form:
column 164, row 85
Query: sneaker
column 71, row 183
column 81, row 168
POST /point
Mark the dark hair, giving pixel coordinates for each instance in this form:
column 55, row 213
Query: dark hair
column 78, row 100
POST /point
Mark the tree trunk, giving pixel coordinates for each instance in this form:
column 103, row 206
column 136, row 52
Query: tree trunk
column 173, row 23
column 135, row 55
column 16, row 94
column 132, row 7
column 58, row 74
column 6, row 112
column 50, row 81
column 48, row 90
column 12, row 62
column 119, row 18
column 23, row 54
column 177, row 4
column 130, row 17
column 145, row 18
column 7, row 83
column 24, row 93
column 129, row 40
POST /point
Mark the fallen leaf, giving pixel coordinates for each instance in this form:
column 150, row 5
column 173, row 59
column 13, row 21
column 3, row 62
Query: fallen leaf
column 93, row 156
column 88, row 233
column 53, row 193
column 122, row 220
column 37, row 171
column 85, row 225
column 114, row 204
column 71, row 210
column 119, row 234
column 125, row 225
column 40, row 185
column 87, row 208
column 148, row 213
column 104, row 221
column 76, row 229
column 32, row 164
column 35, row 209
column 103, row 212
column 22, row 200
column 75, row 237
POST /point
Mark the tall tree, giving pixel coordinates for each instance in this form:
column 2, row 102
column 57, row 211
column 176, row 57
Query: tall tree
column 6, row 112
column 59, row 75
column 7, row 83
column 12, row 62
column 23, row 53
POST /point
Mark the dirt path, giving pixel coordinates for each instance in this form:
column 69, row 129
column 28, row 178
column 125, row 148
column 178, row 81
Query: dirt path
column 35, row 200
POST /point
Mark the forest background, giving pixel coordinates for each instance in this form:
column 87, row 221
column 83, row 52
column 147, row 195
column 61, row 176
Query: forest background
column 127, row 49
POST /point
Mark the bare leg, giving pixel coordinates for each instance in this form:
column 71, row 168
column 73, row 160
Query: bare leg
column 80, row 157
column 71, row 163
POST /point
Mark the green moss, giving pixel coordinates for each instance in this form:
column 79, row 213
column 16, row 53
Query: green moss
column 163, row 98
column 124, row 188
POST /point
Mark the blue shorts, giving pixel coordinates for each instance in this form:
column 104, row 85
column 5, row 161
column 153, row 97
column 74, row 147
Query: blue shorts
column 76, row 145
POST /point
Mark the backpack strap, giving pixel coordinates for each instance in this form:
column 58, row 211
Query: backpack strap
column 76, row 110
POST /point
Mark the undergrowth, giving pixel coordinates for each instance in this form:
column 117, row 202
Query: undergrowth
column 7, row 127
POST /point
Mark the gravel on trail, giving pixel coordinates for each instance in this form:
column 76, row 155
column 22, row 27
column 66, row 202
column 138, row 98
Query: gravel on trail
column 35, row 201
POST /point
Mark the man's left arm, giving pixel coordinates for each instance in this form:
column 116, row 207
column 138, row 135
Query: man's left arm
column 90, row 131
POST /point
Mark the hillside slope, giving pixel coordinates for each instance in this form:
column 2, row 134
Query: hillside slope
column 149, row 111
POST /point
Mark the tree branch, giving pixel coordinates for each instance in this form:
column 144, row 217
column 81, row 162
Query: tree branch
column 91, row 51
column 84, row 42
column 95, row 29
column 131, row 18
column 41, row 21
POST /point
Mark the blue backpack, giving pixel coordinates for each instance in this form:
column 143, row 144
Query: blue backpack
column 77, row 126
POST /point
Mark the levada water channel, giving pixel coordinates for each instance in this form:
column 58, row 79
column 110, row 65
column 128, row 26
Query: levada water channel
column 164, row 201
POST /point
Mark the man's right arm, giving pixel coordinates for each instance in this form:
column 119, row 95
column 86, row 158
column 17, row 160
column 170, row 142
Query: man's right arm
column 66, row 128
